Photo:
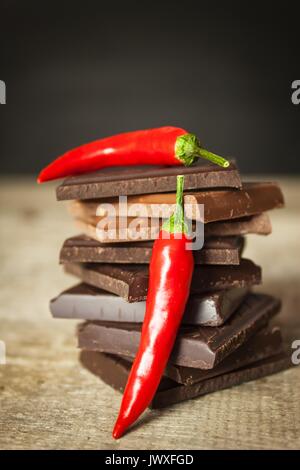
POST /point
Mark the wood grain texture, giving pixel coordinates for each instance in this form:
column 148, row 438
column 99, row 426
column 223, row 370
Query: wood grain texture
column 48, row 401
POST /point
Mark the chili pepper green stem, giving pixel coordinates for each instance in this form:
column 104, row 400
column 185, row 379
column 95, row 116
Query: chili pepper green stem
column 176, row 224
column 188, row 148
column 212, row 157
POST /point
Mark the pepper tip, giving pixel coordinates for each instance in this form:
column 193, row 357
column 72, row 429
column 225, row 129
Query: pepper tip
column 40, row 179
column 118, row 431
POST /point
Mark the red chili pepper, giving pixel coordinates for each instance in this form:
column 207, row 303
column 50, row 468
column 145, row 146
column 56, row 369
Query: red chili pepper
column 171, row 270
column 161, row 146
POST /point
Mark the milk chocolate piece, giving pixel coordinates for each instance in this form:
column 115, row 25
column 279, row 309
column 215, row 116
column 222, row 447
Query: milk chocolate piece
column 130, row 281
column 200, row 347
column 82, row 249
column 219, row 204
column 142, row 180
column 89, row 303
column 114, row 371
column 253, row 198
column 259, row 224
column 144, row 232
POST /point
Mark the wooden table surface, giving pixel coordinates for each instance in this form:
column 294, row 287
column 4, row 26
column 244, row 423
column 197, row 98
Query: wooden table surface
column 48, row 401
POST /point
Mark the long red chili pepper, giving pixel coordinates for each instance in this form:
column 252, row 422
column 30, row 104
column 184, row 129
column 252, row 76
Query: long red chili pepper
column 161, row 146
column 171, row 270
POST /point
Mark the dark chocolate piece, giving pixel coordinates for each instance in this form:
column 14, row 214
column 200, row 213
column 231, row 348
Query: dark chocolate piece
column 82, row 249
column 142, row 180
column 89, row 303
column 131, row 281
column 114, row 371
column 200, row 347
column 263, row 344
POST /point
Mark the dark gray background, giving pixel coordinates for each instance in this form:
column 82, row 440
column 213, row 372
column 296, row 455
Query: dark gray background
column 79, row 71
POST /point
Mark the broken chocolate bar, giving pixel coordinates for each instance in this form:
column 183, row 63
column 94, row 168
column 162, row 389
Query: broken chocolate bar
column 89, row 303
column 263, row 344
column 114, row 371
column 143, row 232
column 82, row 249
column 142, row 180
column 259, row 224
column 131, row 281
column 252, row 198
column 225, row 204
column 200, row 347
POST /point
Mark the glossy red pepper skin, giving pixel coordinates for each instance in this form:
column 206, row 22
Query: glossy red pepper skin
column 171, row 270
column 161, row 146
column 152, row 147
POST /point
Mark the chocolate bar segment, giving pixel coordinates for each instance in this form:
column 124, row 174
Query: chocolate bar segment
column 142, row 180
column 254, row 371
column 89, row 303
column 131, row 281
column 114, row 371
column 259, row 224
column 200, row 347
column 252, row 198
column 219, row 204
column 114, row 234
column 265, row 343
column 82, row 249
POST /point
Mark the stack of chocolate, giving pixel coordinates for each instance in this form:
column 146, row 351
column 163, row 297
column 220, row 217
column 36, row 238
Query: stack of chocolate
column 225, row 338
